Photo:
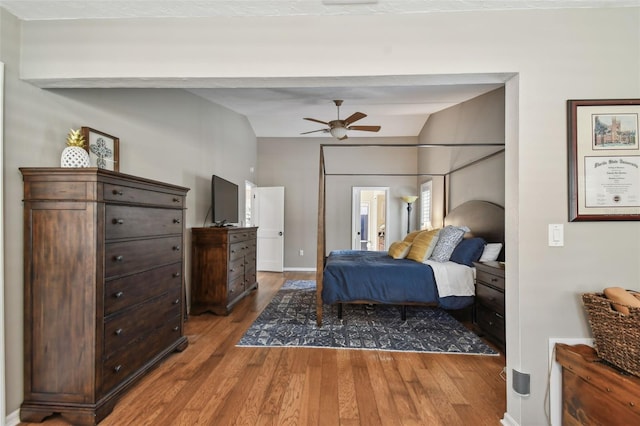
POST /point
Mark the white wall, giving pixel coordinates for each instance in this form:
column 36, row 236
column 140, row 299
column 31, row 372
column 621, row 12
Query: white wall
column 557, row 55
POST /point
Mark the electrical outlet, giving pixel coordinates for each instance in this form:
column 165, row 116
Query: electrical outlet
column 301, row 252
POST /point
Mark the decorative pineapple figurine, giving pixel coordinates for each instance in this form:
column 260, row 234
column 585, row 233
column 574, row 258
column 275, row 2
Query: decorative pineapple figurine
column 74, row 155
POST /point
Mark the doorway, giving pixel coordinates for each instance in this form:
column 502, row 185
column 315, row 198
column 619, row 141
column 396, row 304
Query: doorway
column 369, row 213
column 268, row 216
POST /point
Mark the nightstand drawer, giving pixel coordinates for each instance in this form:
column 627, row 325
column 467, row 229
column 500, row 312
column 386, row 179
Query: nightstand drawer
column 491, row 322
column 487, row 278
column 490, row 297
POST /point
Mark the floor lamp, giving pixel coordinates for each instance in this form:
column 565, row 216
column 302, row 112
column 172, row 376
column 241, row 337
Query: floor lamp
column 409, row 199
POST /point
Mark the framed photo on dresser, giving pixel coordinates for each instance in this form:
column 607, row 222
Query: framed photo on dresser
column 104, row 149
column 604, row 159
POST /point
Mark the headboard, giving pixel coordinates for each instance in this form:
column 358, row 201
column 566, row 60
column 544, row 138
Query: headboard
column 485, row 219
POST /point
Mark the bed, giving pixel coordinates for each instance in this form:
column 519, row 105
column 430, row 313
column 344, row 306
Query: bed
column 354, row 276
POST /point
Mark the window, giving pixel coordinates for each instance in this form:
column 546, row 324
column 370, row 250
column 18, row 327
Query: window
column 425, row 205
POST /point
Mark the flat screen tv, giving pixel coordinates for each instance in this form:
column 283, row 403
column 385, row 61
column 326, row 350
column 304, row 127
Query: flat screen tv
column 224, row 201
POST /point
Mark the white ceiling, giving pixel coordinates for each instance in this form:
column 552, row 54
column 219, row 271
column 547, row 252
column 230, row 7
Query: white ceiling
column 400, row 105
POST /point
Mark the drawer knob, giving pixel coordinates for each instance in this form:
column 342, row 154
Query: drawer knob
column 118, row 221
column 176, row 328
column 176, row 274
column 118, row 258
column 118, row 332
column 176, row 199
column 118, row 295
column 176, row 248
column 176, row 220
column 117, row 368
column 175, row 302
column 494, row 280
column 118, row 192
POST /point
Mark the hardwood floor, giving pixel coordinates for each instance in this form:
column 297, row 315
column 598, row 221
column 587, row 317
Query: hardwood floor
column 213, row 382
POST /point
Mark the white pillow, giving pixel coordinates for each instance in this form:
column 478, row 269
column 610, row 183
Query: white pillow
column 491, row 252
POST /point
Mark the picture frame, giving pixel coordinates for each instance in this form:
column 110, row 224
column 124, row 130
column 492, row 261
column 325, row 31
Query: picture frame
column 603, row 159
column 103, row 149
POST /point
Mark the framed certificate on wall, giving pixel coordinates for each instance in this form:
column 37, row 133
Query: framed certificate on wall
column 604, row 159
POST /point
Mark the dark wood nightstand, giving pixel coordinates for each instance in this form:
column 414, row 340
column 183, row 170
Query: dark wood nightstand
column 489, row 312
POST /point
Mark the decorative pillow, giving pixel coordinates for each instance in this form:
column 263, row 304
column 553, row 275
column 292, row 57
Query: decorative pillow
column 399, row 249
column 411, row 236
column 449, row 238
column 468, row 251
column 491, row 252
column 423, row 245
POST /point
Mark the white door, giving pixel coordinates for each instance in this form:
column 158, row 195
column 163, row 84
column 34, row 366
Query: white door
column 268, row 211
column 369, row 213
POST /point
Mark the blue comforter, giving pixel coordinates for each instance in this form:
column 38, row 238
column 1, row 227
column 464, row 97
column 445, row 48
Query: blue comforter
column 352, row 275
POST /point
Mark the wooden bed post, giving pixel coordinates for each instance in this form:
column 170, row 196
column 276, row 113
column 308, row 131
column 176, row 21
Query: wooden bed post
column 321, row 239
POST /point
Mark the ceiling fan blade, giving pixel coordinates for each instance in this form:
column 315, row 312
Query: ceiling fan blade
column 354, row 117
column 314, row 131
column 365, row 128
column 317, row 121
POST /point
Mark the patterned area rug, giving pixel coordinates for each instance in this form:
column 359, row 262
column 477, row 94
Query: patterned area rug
column 290, row 320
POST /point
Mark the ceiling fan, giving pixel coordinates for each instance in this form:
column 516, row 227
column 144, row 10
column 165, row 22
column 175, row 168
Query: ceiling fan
column 338, row 128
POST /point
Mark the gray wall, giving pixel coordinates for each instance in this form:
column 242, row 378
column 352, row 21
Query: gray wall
column 294, row 164
column 166, row 134
column 479, row 120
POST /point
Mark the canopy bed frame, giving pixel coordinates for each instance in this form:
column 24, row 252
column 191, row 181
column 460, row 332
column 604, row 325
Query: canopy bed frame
column 485, row 219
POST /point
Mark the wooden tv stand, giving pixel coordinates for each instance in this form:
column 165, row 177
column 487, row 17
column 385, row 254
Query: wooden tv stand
column 223, row 268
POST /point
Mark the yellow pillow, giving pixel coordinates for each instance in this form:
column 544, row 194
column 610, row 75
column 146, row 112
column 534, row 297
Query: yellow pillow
column 411, row 236
column 399, row 249
column 423, row 245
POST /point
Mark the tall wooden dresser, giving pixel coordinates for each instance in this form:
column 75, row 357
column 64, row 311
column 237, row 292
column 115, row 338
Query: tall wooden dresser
column 223, row 268
column 103, row 287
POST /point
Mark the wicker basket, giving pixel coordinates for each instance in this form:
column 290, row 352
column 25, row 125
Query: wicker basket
column 617, row 336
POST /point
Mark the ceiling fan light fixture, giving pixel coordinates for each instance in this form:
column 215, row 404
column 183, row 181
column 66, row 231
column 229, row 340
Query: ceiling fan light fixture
column 338, row 132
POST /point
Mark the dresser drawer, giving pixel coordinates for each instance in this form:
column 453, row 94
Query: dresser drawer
column 493, row 280
column 132, row 325
column 131, row 222
column 491, row 322
column 235, row 288
column 237, row 236
column 127, row 194
column 250, row 260
column 236, row 268
column 133, row 289
column 490, row 297
column 130, row 358
column 249, row 279
column 129, row 257
column 236, row 251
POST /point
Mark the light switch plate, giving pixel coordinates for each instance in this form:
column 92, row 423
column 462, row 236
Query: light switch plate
column 556, row 235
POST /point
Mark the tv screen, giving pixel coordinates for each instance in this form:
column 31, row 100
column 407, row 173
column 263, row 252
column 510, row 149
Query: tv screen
column 224, row 201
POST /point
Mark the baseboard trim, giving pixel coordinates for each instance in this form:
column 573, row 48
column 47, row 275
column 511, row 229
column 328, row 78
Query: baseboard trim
column 507, row 420
column 13, row 419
